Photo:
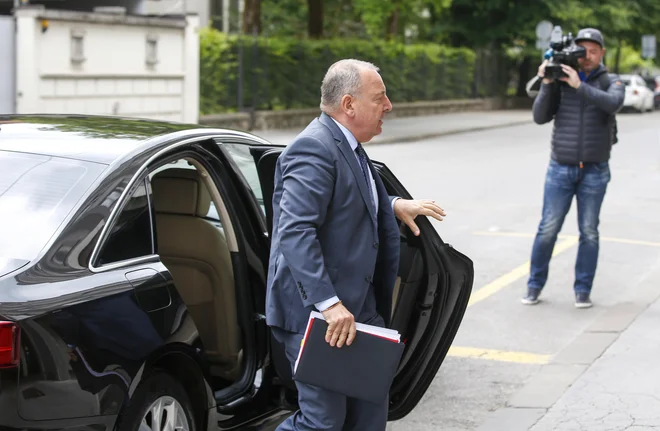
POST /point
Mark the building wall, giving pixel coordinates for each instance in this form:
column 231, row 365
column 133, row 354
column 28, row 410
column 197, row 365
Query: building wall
column 90, row 63
column 7, row 61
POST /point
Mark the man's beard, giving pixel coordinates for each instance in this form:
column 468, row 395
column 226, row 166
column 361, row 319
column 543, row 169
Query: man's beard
column 586, row 68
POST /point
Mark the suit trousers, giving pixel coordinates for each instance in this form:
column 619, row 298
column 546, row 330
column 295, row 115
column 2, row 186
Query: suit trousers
column 321, row 409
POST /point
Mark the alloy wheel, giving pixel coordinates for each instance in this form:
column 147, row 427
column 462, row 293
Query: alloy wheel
column 165, row 414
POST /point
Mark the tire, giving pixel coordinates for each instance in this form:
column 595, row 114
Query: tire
column 158, row 392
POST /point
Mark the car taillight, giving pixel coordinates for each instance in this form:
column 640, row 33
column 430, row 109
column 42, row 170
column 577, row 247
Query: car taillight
column 9, row 345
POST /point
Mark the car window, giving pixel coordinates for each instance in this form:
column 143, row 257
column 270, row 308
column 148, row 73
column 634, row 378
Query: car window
column 183, row 163
column 626, row 82
column 37, row 193
column 131, row 234
column 240, row 154
column 649, row 82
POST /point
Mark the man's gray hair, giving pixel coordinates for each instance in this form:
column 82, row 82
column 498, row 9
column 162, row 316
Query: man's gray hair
column 342, row 78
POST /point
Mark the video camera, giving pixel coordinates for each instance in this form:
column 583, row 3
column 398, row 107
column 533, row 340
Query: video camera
column 563, row 50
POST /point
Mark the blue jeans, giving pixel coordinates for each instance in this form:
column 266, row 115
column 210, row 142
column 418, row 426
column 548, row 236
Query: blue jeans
column 562, row 182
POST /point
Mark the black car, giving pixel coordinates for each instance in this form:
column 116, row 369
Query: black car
column 133, row 262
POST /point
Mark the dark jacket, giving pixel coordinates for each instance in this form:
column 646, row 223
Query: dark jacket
column 583, row 123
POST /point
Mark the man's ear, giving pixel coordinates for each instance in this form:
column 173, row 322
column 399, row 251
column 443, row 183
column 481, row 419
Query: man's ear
column 347, row 105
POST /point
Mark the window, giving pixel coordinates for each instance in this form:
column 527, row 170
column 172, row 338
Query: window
column 131, row 234
column 186, row 164
column 152, row 50
column 37, row 193
column 240, row 154
column 77, row 46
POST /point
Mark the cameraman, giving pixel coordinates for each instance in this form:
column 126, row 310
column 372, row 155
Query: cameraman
column 582, row 138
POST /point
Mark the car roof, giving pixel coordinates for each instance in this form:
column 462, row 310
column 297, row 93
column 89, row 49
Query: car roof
column 99, row 139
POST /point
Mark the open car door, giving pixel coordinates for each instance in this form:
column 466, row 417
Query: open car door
column 430, row 297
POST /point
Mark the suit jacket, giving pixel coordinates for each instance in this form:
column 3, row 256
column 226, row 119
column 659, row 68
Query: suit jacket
column 327, row 239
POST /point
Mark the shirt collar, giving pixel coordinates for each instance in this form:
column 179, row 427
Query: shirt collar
column 349, row 136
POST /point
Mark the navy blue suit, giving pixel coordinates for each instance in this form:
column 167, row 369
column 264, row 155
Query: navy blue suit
column 328, row 240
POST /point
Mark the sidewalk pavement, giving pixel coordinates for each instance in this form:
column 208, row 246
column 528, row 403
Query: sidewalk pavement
column 607, row 379
column 406, row 129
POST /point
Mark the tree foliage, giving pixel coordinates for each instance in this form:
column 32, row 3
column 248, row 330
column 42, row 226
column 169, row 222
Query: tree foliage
column 492, row 29
column 285, row 73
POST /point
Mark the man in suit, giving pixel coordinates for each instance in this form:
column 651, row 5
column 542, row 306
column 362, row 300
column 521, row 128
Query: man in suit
column 335, row 240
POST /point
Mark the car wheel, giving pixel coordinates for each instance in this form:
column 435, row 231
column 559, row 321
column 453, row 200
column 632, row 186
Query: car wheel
column 159, row 404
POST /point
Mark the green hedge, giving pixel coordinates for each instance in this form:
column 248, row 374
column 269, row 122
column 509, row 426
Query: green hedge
column 287, row 73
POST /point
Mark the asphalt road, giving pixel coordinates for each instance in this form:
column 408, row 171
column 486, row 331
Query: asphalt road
column 491, row 183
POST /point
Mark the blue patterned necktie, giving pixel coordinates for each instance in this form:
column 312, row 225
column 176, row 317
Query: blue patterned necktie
column 362, row 157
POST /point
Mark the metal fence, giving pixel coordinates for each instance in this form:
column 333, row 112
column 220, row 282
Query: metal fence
column 252, row 75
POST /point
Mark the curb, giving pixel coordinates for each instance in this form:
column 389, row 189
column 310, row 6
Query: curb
column 419, row 137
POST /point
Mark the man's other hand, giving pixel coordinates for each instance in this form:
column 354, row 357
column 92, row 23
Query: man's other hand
column 572, row 79
column 406, row 210
column 541, row 73
column 341, row 326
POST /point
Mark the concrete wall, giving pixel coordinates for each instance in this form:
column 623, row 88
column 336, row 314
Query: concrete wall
column 93, row 63
column 7, row 61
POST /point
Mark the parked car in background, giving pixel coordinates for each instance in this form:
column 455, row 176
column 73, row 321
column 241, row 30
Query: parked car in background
column 653, row 82
column 638, row 95
column 133, row 264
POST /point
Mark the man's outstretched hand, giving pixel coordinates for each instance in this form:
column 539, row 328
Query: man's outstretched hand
column 406, row 210
column 341, row 325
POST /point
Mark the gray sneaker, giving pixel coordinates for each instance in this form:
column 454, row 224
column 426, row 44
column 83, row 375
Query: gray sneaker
column 582, row 300
column 532, row 297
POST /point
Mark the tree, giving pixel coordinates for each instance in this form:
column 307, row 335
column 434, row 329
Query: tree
column 498, row 25
column 315, row 18
column 621, row 21
column 252, row 17
column 394, row 18
column 284, row 18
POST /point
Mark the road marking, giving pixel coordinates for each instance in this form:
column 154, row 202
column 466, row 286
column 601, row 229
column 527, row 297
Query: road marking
column 602, row 238
column 567, row 241
column 516, row 274
column 499, row 355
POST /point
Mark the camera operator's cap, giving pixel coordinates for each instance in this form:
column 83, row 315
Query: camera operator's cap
column 592, row 35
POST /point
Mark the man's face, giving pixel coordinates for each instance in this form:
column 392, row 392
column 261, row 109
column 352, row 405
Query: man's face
column 594, row 56
column 369, row 107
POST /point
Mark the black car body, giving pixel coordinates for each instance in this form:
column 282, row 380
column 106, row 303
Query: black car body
column 133, row 261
